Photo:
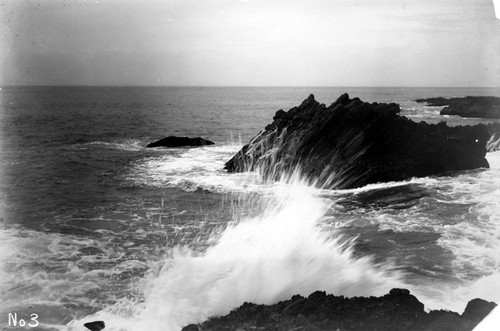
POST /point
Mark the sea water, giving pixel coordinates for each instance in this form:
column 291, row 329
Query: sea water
column 96, row 226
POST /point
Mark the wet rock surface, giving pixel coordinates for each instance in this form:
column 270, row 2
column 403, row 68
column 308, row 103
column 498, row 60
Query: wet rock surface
column 493, row 143
column 398, row 310
column 352, row 143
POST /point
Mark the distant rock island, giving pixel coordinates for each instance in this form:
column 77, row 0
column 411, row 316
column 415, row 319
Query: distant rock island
column 352, row 143
column 482, row 107
column 172, row 141
column 398, row 310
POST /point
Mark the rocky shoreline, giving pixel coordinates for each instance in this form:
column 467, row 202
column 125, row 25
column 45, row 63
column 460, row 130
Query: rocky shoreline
column 479, row 107
column 398, row 310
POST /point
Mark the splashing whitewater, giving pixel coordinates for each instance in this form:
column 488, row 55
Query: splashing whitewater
column 262, row 260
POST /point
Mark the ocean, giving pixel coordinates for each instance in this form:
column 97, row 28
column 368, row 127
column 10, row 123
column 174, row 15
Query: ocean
column 94, row 226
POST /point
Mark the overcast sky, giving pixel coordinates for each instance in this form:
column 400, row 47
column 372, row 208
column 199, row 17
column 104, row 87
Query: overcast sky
column 250, row 42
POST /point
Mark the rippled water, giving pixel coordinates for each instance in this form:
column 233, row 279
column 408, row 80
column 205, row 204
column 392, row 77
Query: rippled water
column 94, row 225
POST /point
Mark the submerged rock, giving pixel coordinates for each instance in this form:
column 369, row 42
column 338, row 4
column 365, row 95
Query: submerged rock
column 483, row 107
column 173, row 141
column 352, row 143
column 398, row 310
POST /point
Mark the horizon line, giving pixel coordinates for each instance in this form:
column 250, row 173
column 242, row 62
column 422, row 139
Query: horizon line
column 251, row 86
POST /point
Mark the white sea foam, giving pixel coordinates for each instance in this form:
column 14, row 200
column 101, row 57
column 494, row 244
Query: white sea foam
column 196, row 287
column 270, row 257
column 123, row 144
column 264, row 259
column 194, row 168
column 421, row 112
column 472, row 235
column 476, row 243
column 51, row 270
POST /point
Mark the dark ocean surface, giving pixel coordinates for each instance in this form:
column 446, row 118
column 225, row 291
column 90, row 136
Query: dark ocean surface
column 95, row 226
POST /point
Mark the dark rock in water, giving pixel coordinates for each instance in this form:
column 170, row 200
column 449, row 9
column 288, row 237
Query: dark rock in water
column 483, row 107
column 191, row 327
column 398, row 310
column 352, row 143
column 95, row 326
column 477, row 309
column 439, row 101
column 173, row 141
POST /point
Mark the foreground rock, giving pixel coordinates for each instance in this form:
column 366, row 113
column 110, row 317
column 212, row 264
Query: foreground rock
column 352, row 143
column 173, row 141
column 483, row 107
column 398, row 310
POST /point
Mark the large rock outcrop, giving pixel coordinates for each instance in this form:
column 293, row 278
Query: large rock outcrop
column 398, row 310
column 482, row 107
column 352, row 143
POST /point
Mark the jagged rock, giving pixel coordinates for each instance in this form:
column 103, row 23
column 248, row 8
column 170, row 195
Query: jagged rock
column 483, row 107
column 173, row 141
column 95, row 326
column 402, row 292
column 295, row 308
column 402, row 298
column 352, row 143
column 398, row 310
column 477, row 309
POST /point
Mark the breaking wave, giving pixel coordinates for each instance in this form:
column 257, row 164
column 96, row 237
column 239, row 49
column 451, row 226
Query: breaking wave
column 263, row 259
